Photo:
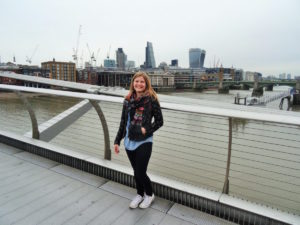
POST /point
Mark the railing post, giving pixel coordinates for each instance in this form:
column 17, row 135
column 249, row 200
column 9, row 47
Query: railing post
column 107, row 151
column 34, row 124
column 226, row 183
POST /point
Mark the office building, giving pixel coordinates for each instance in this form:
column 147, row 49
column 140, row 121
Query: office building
column 109, row 63
column 121, row 59
column 196, row 57
column 61, row 70
column 150, row 60
column 174, row 62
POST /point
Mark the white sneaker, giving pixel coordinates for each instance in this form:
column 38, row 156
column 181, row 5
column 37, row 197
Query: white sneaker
column 147, row 201
column 136, row 201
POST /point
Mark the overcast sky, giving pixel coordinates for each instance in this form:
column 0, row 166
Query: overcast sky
column 255, row 35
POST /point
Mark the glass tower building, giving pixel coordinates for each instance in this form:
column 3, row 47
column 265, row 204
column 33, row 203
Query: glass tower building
column 109, row 63
column 150, row 61
column 174, row 62
column 196, row 57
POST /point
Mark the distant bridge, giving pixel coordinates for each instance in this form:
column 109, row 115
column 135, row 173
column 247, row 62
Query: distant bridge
column 267, row 98
column 205, row 84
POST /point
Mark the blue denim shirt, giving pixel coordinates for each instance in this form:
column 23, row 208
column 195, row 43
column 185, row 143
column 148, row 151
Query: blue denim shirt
column 133, row 145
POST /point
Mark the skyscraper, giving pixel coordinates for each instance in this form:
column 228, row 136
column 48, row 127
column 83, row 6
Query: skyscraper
column 150, row 61
column 196, row 57
column 121, row 59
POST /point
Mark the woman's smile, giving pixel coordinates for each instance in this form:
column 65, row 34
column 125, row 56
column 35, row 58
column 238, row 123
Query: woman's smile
column 139, row 84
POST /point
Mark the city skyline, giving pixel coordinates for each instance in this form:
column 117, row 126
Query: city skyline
column 253, row 35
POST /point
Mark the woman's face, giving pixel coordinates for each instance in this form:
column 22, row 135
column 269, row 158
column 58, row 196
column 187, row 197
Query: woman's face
column 139, row 84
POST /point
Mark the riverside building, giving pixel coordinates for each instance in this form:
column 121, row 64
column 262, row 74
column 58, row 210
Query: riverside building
column 61, row 70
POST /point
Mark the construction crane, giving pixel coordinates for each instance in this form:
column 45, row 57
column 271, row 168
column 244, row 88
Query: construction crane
column 96, row 57
column 75, row 51
column 108, row 53
column 29, row 60
column 81, row 60
column 216, row 66
column 92, row 56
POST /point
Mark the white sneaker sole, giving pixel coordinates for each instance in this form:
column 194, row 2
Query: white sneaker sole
column 133, row 207
column 147, row 206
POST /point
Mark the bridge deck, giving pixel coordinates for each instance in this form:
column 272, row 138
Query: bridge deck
column 35, row 190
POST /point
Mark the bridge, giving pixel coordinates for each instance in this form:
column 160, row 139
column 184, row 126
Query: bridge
column 236, row 163
column 36, row 190
column 247, row 84
column 263, row 100
column 224, row 86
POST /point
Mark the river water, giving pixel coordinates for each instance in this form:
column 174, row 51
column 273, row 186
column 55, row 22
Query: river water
column 190, row 148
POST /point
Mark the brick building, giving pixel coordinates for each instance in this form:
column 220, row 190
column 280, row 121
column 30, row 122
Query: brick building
column 61, row 70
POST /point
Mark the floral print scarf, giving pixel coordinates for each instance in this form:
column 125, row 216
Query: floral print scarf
column 138, row 104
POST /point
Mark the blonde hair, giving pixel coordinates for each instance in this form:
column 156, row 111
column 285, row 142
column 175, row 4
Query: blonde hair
column 148, row 87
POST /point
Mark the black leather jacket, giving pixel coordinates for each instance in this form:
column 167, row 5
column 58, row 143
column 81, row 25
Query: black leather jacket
column 151, row 109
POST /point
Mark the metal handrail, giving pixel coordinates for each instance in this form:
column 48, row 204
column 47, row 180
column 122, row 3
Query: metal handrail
column 34, row 124
column 289, row 119
column 107, row 151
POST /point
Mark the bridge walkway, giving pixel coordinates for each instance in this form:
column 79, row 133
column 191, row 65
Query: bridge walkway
column 35, row 190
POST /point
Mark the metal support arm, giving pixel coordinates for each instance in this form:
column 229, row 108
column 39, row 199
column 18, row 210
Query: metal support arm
column 226, row 183
column 34, row 124
column 107, row 151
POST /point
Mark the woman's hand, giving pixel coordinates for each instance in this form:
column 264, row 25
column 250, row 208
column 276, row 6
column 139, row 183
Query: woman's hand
column 143, row 130
column 117, row 148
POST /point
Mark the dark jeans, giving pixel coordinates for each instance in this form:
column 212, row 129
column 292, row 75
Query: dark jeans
column 139, row 160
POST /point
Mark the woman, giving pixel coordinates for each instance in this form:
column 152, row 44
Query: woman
column 136, row 126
